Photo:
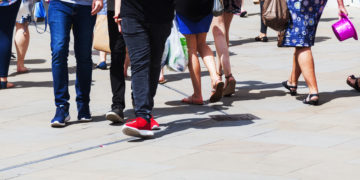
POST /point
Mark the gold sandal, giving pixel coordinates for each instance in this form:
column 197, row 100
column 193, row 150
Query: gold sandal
column 230, row 85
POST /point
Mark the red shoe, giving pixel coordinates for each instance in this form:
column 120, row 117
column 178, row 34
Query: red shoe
column 138, row 127
column 154, row 125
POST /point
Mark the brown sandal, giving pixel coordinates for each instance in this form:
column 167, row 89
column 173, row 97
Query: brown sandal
column 191, row 100
column 217, row 91
column 230, row 85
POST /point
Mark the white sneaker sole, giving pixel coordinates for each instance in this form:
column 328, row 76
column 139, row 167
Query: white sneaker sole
column 113, row 117
column 130, row 131
column 155, row 127
column 59, row 124
column 85, row 120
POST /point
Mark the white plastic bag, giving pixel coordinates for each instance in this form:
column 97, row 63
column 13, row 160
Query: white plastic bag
column 178, row 52
column 218, row 8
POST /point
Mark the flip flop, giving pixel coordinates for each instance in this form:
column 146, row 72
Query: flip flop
column 243, row 14
column 217, row 92
column 229, row 89
column 190, row 100
column 163, row 81
column 355, row 85
column 6, row 85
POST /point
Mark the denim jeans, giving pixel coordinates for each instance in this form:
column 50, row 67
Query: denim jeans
column 62, row 17
column 145, row 43
column 7, row 23
column 118, row 52
column 263, row 28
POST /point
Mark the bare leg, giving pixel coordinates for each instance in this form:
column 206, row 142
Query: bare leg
column 194, row 66
column 222, row 49
column 306, row 63
column 227, row 19
column 296, row 71
column 102, row 57
column 22, row 39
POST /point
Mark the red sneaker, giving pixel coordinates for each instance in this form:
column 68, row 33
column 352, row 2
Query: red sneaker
column 154, row 125
column 138, row 127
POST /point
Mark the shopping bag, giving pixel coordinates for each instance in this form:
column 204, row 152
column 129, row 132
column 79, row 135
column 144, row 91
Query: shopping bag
column 275, row 14
column 101, row 34
column 178, row 52
column 218, row 8
column 40, row 15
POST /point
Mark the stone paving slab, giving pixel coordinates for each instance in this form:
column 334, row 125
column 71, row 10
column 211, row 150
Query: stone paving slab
column 288, row 141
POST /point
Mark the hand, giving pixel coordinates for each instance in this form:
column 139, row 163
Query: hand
column 118, row 22
column 97, row 5
column 342, row 10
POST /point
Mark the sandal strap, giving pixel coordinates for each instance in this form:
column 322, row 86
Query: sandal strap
column 313, row 95
column 229, row 76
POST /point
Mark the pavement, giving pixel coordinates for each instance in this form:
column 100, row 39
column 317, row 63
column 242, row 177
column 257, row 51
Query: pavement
column 260, row 133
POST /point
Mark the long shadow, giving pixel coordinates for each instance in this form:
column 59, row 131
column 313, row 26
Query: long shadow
column 326, row 97
column 194, row 123
column 71, row 70
column 183, row 75
column 29, row 84
column 98, row 118
column 265, row 90
column 30, row 61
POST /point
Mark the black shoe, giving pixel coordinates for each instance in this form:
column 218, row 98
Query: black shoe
column 263, row 39
column 292, row 89
column 116, row 115
column 308, row 100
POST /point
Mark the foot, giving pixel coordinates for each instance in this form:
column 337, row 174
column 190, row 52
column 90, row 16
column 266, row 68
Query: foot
column 243, row 13
column 162, row 81
column 230, row 84
column 292, row 88
column 312, row 99
column 116, row 115
column 84, row 114
column 262, row 38
column 217, row 91
column 138, row 127
column 154, row 125
column 102, row 65
column 22, row 69
column 61, row 117
column 193, row 100
column 6, row 85
column 353, row 82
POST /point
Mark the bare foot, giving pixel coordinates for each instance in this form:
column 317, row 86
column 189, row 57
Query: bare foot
column 22, row 69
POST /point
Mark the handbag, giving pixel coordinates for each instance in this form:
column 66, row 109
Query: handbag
column 275, row 14
column 101, row 34
column 218, row 8
column 177, row 50
column 40, row 15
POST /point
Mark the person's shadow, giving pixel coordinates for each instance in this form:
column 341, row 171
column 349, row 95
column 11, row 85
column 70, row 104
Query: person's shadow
column 326, row 97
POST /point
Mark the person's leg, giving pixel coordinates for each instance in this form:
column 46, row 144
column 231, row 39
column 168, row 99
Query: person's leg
column 222, row 49
column 127, row 63
column 22, row 39
column 137, row 40
column 7, row 23
column 263, row 27
column 117, row 79
column 158, row 36
column 306, row 64
column 207, row 56
column 102, row 55
column 296, row 71
column 194, row 69
column 83, row 34
column 227, row 20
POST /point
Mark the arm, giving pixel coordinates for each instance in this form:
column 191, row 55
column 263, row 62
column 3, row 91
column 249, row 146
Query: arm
column 117, row 13
column 97, row 5
column 342, row 7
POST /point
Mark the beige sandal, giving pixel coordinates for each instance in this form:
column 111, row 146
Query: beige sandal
column 217, row 91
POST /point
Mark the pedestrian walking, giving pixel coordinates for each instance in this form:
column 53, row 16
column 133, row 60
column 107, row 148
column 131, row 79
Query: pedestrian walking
column 263, row 28
column 80, row 16
column 194, row 19
column 145, row 26
column 117, row 76
column 22, row 34
column 300, row 33
column 8, row 12
column 220, row 28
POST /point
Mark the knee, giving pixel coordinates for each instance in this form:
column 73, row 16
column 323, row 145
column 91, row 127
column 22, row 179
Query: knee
column 217, row 32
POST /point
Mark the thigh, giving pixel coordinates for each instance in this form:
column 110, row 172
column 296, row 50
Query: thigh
column 83, row 28
column 60, row 21
column 137, row 41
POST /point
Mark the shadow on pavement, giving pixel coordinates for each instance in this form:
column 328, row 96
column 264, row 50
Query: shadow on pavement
column 326, row 97
column 30, row 61
column 71, row 70
column 29, row 84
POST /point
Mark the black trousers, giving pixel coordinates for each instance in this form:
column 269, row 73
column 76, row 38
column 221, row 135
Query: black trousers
column 263, row 26
column 118, row 52
column 145, row 43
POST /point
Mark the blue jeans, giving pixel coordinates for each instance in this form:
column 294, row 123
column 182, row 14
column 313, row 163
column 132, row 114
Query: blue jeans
column 7, row 23
column 62, row 17
column 145, row 43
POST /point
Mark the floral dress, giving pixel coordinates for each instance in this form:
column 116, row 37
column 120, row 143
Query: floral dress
column 305, row 16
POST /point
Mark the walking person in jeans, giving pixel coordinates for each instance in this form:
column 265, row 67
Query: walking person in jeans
column 145, row 25
column 8, row 12
column 78, row 15
column 117, row 76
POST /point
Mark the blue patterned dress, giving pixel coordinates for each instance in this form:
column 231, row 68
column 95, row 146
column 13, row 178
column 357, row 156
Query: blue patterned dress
column 305, row 16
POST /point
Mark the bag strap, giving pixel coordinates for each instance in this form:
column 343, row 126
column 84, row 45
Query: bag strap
column 46, row 16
